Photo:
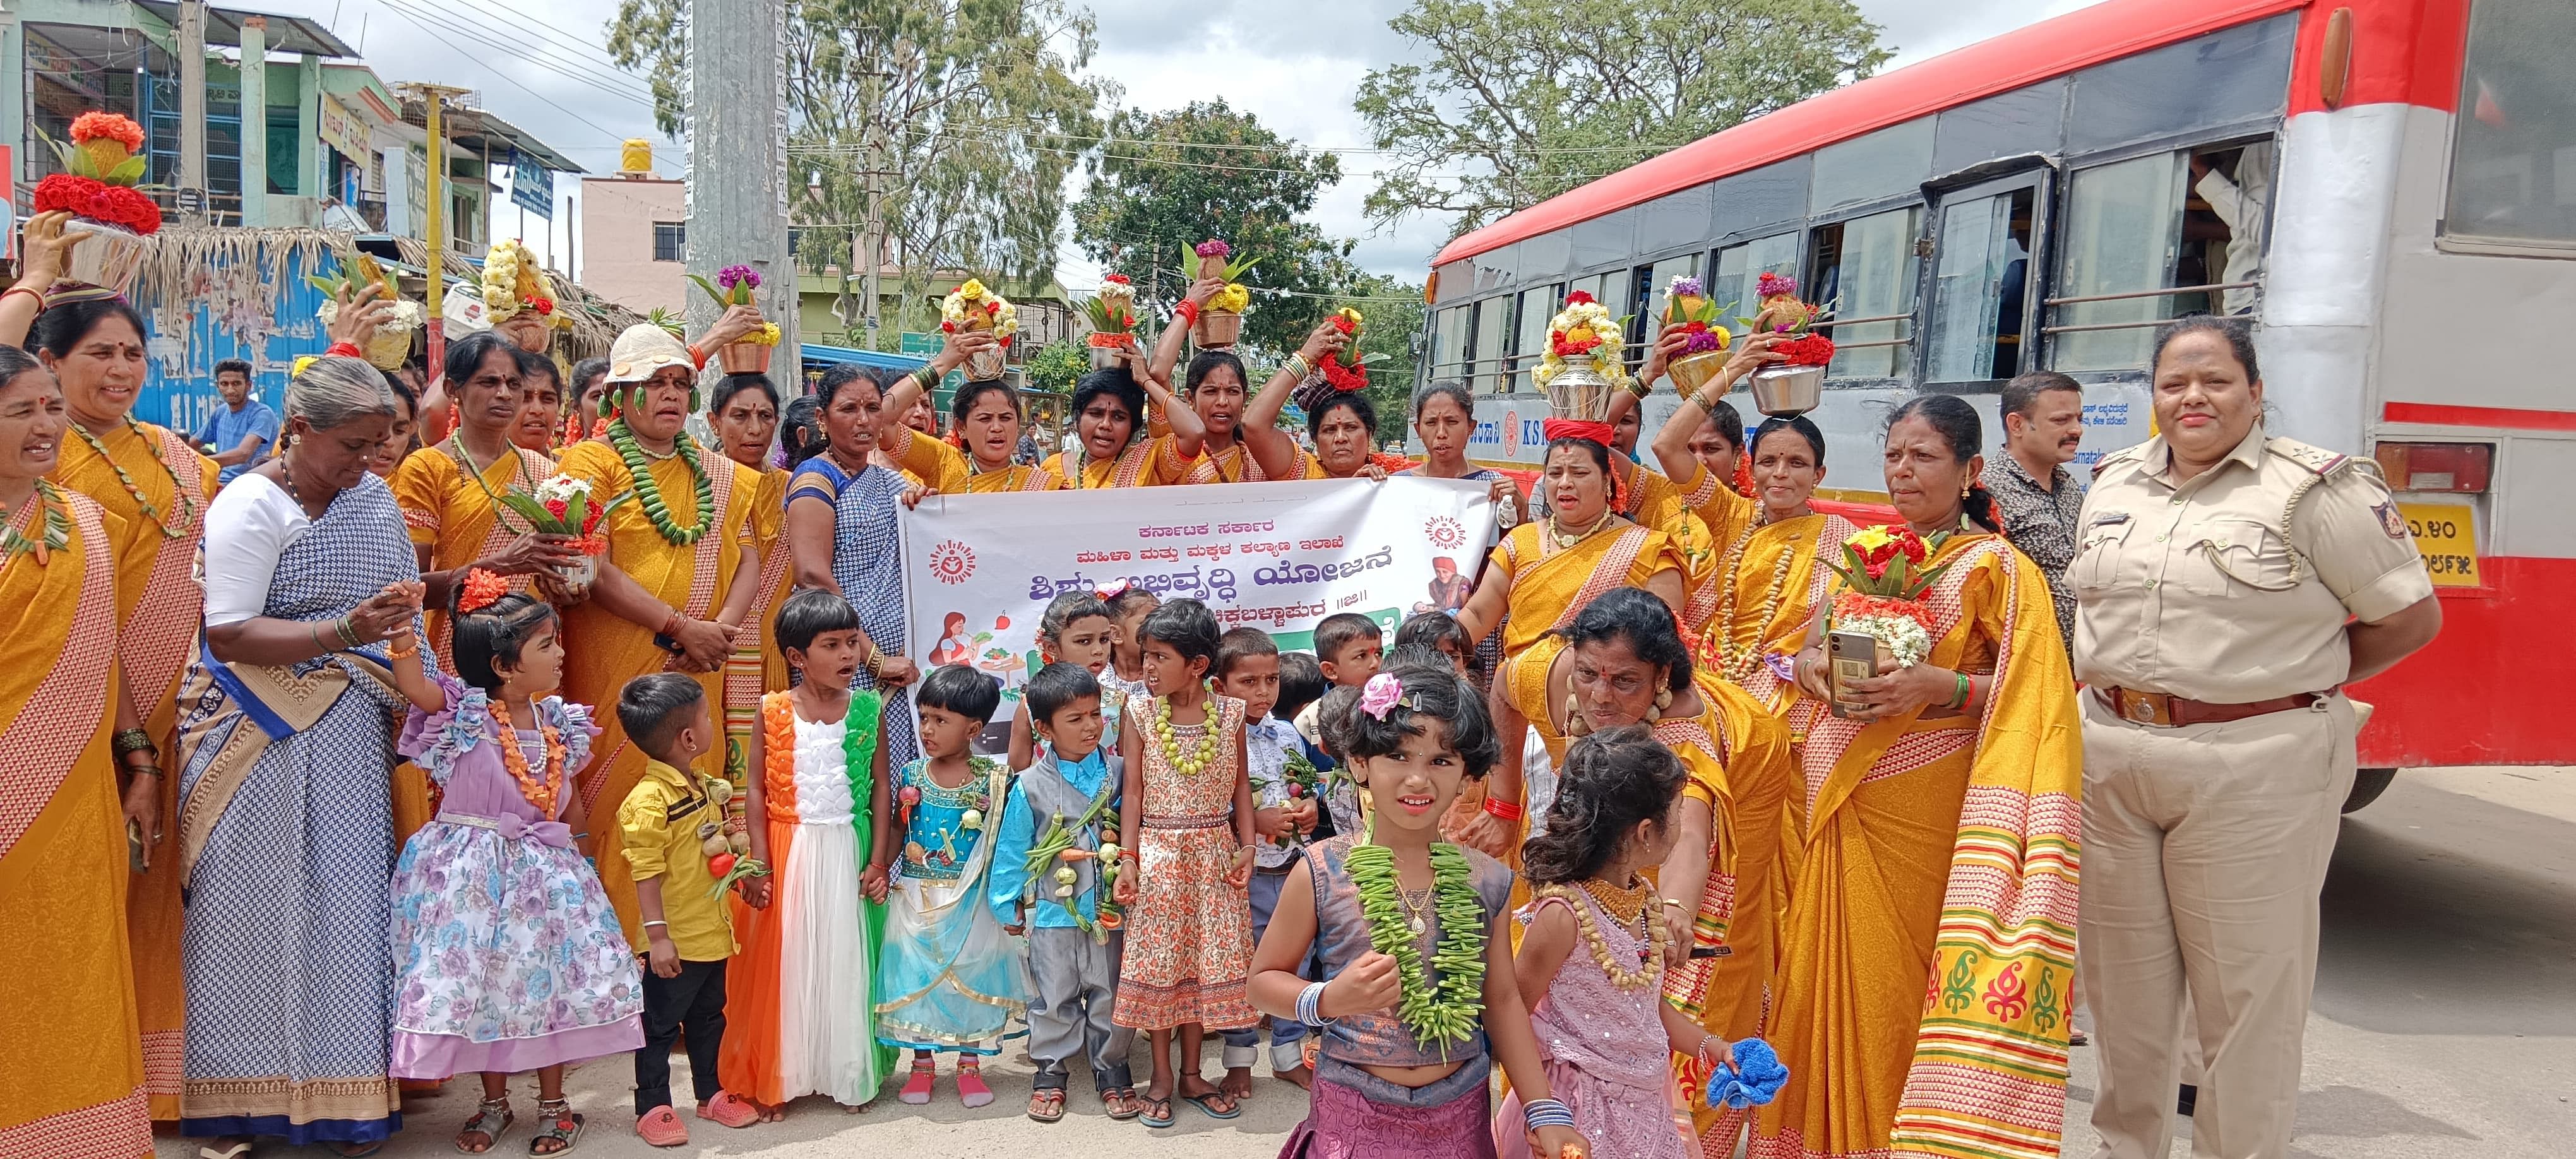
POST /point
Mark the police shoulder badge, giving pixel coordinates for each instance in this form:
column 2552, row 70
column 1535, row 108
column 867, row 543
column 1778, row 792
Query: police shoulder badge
column 2389, row 519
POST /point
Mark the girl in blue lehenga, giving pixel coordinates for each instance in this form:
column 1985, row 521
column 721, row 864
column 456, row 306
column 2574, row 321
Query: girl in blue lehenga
column 840, row 529
column 286, row 834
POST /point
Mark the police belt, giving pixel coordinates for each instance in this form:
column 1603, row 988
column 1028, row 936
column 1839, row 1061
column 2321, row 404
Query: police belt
column 2169, row 711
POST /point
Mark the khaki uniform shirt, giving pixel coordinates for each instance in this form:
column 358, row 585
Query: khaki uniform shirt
column 2235, row 587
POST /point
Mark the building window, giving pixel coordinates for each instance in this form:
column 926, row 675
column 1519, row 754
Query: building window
column 2513, row 150
column 670, row 241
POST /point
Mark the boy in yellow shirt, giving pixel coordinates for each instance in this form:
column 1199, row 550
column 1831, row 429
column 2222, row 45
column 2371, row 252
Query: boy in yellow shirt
column 681, row 928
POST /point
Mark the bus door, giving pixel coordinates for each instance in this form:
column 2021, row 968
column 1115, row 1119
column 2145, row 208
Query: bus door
column 1983, row 282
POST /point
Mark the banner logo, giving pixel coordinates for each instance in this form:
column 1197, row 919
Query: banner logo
column 952, row 562
column 1444, row 532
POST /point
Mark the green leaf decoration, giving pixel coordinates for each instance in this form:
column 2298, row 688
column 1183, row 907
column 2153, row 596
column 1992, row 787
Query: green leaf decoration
column 128, row 173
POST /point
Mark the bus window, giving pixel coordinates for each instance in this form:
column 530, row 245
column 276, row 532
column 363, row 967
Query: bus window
column 1739, row 267
column 2223, row 229
column 2120, row 247
column 2513, row 148
column 1449, row 345
column 1650, row 320
column 1536, row 308
column 1865, row 271
column 1493, row 339
column 1980, row 285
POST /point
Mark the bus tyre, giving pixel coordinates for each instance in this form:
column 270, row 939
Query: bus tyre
column 2367, row 785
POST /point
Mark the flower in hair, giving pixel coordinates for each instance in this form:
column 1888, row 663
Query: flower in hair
column 481, row 589
column 1111, row 589
column 1381, row 694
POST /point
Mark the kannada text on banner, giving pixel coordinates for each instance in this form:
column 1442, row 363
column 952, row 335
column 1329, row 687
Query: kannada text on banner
column 980, row 569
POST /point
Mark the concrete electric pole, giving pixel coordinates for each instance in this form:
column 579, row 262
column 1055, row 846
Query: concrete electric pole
column 737, row 176
column 192, row 107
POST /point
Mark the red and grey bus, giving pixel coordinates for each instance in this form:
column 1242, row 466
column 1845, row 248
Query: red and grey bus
column 2387, row 188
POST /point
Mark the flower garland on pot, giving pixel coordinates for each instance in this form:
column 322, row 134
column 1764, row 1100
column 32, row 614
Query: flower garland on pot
column 1112, row 312
column 512, row 283
column 101, row 167
column 1703, row 355
column 973, row 307
column 1584, row 330
column 392, row 342
column 733, row 287
column 1338, row 373
column 1783, row 312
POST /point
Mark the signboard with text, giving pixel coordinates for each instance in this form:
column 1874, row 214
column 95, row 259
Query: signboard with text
column 342, row 130
column 532, row 185
column 980, row 569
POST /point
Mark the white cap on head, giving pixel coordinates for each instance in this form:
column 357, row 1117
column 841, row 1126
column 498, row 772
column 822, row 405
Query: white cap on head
column 643, row 349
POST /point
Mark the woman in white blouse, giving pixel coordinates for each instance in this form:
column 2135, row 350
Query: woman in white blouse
column 286, row 836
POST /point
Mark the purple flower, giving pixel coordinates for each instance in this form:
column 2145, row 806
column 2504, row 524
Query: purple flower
column 1701, row 342
column 1686, row 287
column 732, row 276
column 1212, row 248
column 1379, row 696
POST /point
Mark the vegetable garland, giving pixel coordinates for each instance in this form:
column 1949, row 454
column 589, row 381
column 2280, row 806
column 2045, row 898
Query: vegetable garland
column 1452, row 1009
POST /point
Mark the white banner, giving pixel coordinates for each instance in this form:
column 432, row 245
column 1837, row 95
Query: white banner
column 980, row 569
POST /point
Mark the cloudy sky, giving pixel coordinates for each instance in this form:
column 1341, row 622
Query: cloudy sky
column 1294, row 65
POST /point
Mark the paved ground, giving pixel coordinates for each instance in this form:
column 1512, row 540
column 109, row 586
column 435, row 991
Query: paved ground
column 2444, row 1026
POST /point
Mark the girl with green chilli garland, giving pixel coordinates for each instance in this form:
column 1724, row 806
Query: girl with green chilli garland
column 1418, row 999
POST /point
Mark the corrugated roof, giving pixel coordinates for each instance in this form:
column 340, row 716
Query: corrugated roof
column 463, row 125
column 285, row 33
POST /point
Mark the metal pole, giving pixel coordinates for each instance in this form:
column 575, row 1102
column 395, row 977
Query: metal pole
column 737, row 173
column 570, row 266
column 875, row 242
column 435, row 96
column 192, row 100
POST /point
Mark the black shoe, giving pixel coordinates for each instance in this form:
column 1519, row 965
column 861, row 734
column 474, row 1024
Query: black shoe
column 2189, row 1098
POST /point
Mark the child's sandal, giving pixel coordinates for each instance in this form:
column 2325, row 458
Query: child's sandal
column 970, row 1086
column 916, row 1090
column 491, row 1117
column 562, row 1128
column 1157, row 1113
column 1121, row 1103
column 1046, row 1106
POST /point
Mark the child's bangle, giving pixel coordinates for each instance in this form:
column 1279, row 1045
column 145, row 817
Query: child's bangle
column 1310, row 1005
column 650, row 925
column 1539, row 1113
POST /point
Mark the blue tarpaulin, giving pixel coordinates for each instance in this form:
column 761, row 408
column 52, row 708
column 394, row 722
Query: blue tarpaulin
column 818, row 356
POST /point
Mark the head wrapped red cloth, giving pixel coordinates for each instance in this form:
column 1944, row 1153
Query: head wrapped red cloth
column 1556, row 429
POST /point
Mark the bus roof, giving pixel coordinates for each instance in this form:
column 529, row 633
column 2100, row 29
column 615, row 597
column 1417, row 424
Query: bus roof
column 2053, row 47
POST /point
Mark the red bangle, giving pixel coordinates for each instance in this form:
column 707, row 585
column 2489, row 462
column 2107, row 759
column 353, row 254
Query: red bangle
column 30, row 291
column 344, row 350
column 697, row 356
column 669, row 625
column 1504, row 809
column 1187, row 312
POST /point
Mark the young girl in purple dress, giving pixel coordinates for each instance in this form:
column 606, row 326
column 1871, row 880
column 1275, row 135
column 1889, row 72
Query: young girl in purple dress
column 507, row 955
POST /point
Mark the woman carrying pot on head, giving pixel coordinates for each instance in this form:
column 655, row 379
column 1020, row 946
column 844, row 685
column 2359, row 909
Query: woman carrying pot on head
column 72, row 1078
column 154, row 488
column 285, row 762
column 1623, row 661
column 987, row 416
column 1342, row 424
column 1108, row 415
column 1941, row 810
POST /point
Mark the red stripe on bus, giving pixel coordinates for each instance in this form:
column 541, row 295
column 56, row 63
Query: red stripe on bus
column 2508, row 417
column 2403, row 50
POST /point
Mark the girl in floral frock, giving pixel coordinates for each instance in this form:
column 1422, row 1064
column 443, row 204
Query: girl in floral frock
column 507, row 955
column 1185, row 822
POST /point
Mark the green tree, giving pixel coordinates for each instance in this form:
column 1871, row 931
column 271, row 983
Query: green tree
column 1392, row 309
column 1164, row 182
column 1054, row 366
column 963, row 116
column 1531, row 98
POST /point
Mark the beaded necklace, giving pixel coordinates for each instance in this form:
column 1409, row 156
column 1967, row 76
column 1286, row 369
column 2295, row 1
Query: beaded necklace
column 1450, row 1009
column 1738, row 663
column 649, row 493
column 57, row 533
column 1187, row 765
column 518, row 471
column 1565, row 539
column 187, row 507
column 539, row 790
column 1651, row 934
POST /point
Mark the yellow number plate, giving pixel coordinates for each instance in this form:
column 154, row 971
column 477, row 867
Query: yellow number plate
column 2446, row 534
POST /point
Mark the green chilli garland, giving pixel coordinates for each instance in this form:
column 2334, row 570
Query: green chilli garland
column 649, row 493
column 55, row 527
column 1450, row 1010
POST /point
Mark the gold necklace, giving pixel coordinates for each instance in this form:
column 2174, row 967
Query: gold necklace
column 1651, row 936
column 1417, row 908
column 1564, row 539
column 1738, row 663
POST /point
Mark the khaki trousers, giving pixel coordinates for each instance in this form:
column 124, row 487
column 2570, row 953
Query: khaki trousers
column 2204, row 850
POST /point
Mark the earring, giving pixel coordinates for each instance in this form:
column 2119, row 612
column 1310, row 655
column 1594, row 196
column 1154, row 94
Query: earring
column 1575, row 725
column 1964, row 489
column 1663, row 699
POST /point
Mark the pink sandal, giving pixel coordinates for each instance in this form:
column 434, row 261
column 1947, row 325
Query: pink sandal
column 729, row 1109
column 970, row 1084
column 916, row 1090
column 662, row 1127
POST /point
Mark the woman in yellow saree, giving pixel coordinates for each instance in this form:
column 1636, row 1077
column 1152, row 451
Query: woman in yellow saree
column 1108, row 412
column 675, row 589
column 71, row 1066
column 1543, row 572
column 1770, row 580
column 1929, row 948
column 154, row 488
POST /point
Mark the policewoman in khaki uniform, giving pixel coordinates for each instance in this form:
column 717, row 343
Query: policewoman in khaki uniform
column 2227, row 584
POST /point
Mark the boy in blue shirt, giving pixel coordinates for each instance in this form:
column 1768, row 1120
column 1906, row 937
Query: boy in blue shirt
column 239, row 435
column 1074, row 782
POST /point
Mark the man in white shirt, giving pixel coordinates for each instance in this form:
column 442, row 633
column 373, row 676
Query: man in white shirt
column 2241, row 202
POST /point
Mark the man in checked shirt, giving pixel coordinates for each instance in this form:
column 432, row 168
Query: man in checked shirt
column 2039, row 499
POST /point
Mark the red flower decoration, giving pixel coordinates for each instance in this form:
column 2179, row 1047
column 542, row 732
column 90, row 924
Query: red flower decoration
column 126, row 207
column 66, row 191
column 558, row 508
column 93, row 126
column 1579, row 298
column 1121, row 279
column 542, row 305
column 1343, row 323
column 1811, row 350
